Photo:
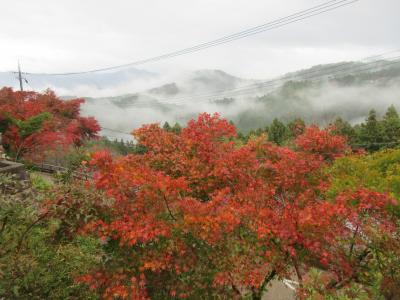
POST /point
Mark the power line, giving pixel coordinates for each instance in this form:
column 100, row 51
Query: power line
column 376, row 144
column 293, row 18
column 114, row 137
column 127, row 142
column 363, row 68
column 274, row 83
column 337, row 73
column 115, row 130
column 340, row 73
column 27, row 82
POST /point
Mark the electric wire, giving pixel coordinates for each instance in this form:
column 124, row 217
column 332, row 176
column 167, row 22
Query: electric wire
column 274, row 83
column 116, row 130
column 293, row 18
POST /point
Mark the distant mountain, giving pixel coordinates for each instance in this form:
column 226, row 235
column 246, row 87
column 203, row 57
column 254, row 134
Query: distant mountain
column 321, row 93
column 132, row 101
column 318, row 95
column 131, row 81
column 101, row 80
column 213, row 81
column 347, row 71
column 169, row 89
column 202, row 81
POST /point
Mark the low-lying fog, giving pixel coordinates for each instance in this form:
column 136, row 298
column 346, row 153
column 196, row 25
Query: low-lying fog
column 317, row 103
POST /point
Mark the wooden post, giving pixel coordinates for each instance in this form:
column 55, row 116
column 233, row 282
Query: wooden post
column 20, row 78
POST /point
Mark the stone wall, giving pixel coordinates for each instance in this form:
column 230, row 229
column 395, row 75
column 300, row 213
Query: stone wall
column 2, row 152
column 9, row 167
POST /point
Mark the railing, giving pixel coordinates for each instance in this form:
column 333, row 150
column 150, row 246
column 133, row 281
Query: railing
column 49, row 168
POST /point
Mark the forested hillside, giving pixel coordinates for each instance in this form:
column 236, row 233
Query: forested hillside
column 200, row 150
column 317, row 95
column 197, row 211
column 372, row 134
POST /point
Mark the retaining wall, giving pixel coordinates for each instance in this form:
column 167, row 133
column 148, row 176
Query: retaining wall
column 10, row 167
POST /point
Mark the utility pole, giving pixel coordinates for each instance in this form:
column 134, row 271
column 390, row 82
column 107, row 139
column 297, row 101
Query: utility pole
column 20, row 78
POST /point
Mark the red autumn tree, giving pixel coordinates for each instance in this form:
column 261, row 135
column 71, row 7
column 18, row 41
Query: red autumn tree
column 34, row 123
column 198, row 216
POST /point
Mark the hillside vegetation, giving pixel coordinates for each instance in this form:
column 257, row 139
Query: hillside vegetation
column 317, row 95
column 197, row 211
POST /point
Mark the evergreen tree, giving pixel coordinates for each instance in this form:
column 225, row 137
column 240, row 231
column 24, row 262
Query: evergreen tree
column 252, row 133
column 177, row 128
column 259, row 131
column 371, row 133
column 241, row 137
column 277, row 132
column 391, row 125
column 345, row 129
column 166, row 126
column 296, row 127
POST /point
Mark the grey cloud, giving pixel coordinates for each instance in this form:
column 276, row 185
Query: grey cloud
column 73, row 35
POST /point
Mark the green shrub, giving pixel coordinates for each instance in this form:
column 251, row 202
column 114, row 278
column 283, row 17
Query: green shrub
column 34, row 264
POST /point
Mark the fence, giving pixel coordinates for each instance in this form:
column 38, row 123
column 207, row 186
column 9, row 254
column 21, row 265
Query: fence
column 49, row 168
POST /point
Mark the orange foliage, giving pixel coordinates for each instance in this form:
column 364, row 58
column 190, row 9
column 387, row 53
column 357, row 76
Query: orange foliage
column 197, row 212
column 64, row 127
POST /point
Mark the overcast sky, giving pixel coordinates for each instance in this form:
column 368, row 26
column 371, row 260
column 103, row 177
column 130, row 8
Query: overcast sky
column 74, row 35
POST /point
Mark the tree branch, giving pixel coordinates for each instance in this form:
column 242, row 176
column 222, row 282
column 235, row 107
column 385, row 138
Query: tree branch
column 169, row 210
column 341, row 283
column 267, row 280
column 4, row 224
column 21, row 239
column 353, row 241
column 297, row 269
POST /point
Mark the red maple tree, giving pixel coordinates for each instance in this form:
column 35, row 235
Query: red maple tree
column 200, row 216
column 35, row 123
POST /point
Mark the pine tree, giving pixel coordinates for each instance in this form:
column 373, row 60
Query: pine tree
column 166, row 126
column 345, row 129
column 296, row 127
column 278, row 132
column 391, row 125
column 371, row 133
column 177, row 128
